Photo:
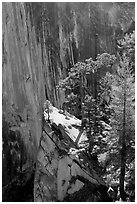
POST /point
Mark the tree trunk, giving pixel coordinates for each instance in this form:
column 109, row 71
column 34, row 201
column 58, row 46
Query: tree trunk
column 79, row 135
column 82, row 94
column 123, row 153
column 94, row 75
column 95, row 72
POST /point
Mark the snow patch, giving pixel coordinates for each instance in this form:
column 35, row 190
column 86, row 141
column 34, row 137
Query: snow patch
column 70, row 123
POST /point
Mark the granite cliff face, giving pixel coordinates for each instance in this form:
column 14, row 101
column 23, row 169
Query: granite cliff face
column 41, row 41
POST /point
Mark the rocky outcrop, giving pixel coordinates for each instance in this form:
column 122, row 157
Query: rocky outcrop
column 61, row 171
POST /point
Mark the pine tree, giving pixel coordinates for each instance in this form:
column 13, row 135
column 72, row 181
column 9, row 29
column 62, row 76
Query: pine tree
column 122, row 102
column 81, row 93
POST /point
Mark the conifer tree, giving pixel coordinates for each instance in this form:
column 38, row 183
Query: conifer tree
column 122, row 103
column 80, row 93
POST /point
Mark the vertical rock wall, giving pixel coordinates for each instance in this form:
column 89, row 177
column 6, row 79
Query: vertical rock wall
column 23, row 92
column 34, row 60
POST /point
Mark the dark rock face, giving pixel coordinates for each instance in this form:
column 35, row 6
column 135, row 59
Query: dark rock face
column 41, row 41
column 20, row 189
